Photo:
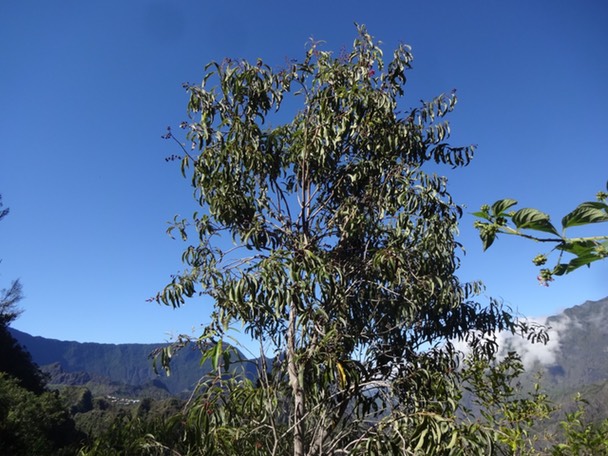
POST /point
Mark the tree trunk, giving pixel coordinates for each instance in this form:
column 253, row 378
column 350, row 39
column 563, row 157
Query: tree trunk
column 297, row 388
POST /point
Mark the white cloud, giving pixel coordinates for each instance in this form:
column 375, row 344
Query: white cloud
column 533, row 353
column 530, row 353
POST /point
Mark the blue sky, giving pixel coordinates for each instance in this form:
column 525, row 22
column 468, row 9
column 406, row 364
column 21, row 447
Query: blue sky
column 88, row 88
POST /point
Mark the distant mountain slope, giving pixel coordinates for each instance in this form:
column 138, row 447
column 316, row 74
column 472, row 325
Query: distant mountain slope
column 576, row 357
column 129, row 364
column 581, row 357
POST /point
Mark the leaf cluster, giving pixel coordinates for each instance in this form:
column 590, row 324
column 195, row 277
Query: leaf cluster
column 527, row 223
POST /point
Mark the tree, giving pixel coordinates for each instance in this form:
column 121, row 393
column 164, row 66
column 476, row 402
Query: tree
column 343, row 262
column 17, row 362
column 34, row 424
column 499, row 219
column 9, row 298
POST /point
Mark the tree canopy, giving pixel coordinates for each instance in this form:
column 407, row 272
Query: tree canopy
column 343, row 261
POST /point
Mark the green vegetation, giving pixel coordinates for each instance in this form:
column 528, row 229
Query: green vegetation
column 34, row 424
column 580, row 436
column 499, row 219
column 15, row 360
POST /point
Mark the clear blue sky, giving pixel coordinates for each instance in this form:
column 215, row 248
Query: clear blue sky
column 88, row 88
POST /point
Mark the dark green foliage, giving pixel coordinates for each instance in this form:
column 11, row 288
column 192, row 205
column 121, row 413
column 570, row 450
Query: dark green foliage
column 33, row 420
column 14, row 359
column 123, row 437
column 130, row 430
column 17, row 362
column 34, row 424
column 3, row 212
column 83, row 403
column 9, row 298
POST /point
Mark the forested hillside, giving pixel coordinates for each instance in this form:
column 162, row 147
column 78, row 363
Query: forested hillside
column 125, row 364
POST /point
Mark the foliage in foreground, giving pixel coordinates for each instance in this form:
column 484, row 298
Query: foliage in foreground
column 500, row 219
column 34, row 424
column 343, row 264
column 523, row 425
column 581, row 437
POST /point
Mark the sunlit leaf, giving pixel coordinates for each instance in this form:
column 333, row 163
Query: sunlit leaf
column 590, row 212
column 578, row 262
column 580, row 247
column 499, row 207
column 483, row 215
column 533, row 219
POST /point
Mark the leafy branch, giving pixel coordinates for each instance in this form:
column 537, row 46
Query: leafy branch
column 526, row 223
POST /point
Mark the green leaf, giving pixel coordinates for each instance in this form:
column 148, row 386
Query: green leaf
column 487, row 238
column 590, row 212
column 453, row 440
column 533, row 219
column 217, row 351
column 575, row 263
column 578, row 248
column 227, row 359
column 483, row 215
column 560, row 269
column 421, row 439
column 500, row 206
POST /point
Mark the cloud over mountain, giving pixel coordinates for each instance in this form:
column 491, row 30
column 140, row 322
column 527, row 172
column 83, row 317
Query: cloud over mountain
column 536, row 353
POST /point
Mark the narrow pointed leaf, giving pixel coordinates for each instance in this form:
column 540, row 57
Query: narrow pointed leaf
column 217, row 351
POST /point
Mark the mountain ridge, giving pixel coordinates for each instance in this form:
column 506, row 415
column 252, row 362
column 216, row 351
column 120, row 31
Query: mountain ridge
column 582, row 356
column 576, row 356
column 128, row 364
